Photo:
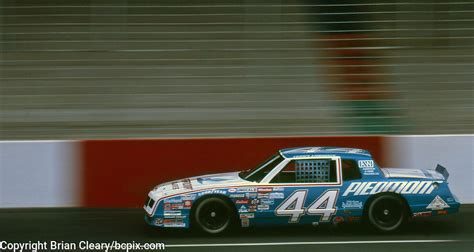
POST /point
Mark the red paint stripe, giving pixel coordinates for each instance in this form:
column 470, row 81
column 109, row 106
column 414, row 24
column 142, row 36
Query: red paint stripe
column 120, row 173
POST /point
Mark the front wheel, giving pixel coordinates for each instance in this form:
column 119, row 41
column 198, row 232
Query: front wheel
column 214, row 215
column 387, row 213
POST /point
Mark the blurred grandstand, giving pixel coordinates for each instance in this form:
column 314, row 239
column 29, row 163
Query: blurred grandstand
column 119, row 69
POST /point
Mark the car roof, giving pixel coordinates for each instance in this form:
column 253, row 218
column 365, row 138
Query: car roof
column 314, row 151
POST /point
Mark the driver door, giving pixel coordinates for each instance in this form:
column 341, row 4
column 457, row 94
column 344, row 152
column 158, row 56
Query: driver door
column 303, row 191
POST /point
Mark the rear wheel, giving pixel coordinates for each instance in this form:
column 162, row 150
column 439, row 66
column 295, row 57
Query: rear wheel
column 214, row 215
column 387, row 213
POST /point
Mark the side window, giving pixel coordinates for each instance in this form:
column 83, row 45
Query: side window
column 260, row 172
column 307, row 171
column 350, row 170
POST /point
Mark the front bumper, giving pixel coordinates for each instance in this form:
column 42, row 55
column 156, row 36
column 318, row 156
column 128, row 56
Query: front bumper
column 160, row 214
column 153, row 221
column 167, row 221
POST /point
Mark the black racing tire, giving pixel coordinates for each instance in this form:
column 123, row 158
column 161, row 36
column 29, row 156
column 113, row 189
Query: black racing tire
column 214, row 215
column 387, row 213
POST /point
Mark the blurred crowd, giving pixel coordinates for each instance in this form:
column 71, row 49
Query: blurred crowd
column 146, row 69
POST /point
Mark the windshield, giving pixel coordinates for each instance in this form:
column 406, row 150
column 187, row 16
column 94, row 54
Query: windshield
column 258, row 173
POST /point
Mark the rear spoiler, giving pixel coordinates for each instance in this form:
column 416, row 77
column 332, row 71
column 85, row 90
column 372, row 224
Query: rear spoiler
column 441, row 169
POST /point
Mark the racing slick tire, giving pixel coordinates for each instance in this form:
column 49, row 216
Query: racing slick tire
column 387, row 213
column 214, row 215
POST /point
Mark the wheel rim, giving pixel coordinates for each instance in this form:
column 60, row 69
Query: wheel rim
column 387, row 213
column 214, row 216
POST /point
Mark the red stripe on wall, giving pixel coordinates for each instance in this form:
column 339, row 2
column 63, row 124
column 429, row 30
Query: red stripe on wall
column 119, row 173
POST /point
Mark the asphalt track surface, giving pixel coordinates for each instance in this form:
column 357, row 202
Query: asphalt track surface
column 452, row 233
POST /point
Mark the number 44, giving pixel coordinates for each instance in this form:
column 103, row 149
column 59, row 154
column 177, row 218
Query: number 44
column 293, row 206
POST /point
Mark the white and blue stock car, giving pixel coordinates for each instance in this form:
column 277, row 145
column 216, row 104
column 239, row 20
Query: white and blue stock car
column 309, row 185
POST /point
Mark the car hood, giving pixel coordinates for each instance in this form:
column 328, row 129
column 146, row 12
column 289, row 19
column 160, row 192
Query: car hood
column 412, row 173
column 198, row 183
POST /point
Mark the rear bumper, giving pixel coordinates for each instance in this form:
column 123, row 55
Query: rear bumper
column 453, row 203
column 452, row 209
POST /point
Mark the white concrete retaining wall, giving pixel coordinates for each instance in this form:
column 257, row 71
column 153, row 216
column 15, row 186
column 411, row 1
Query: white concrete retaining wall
column 39, row 173
column 455, row 152
column 48, row 173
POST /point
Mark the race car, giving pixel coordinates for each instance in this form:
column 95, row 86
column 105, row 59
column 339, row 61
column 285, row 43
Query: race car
column 303, row 186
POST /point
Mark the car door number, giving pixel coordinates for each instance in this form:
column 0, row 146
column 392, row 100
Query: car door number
column 293, row 206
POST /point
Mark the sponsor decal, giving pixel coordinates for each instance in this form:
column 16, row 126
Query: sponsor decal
column 243, row 209
column 237, row 195
column 251, row 195
column 189, row 197
column 353, row 218
column 442, row 212
column 255, row 201
column 167, row 206
column 232, row 190
column 173, row 200
column 266, row 201
column 159, row 221
column 174, row 223
column 366, row 163
column 174, row 217
column 264, row 190
column 370, row 171
column 338, row 219
column 422, row 214
column 368, row 167
column 278, row 189
column 214, row 191
column 263, row 207
column 252, row 208
column 352, row 204
column 243, row 201
column 437, row 204
column 263, row 195
column 246, row 189
column 245, row 222
column 187, row 204
column 247, row 215
column 172, row 213
column 176, row 206
column 276, row 195
column 402, row 187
